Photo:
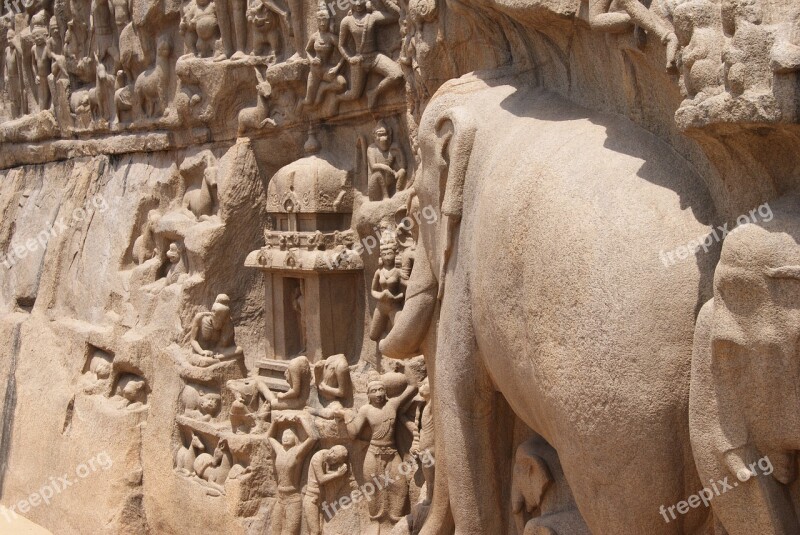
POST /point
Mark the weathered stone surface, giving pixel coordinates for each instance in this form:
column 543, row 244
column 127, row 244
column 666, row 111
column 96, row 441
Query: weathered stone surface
column 419, row 267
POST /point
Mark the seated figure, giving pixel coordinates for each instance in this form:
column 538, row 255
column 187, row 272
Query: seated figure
column 211, row 335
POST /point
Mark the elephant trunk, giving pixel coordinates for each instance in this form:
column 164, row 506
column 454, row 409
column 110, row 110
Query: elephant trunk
column 413, row 322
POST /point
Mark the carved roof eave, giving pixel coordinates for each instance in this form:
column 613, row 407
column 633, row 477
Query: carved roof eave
column 295, row 260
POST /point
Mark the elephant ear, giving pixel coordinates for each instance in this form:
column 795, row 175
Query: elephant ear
column 456, row 131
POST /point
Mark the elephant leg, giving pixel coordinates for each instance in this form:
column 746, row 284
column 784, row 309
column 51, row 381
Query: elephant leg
column 465, row 396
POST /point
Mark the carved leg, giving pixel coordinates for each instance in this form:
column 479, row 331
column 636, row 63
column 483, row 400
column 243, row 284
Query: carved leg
column 374, row 468
column 391, row 73
column 358, row 80
column 312, row 514
column 378, row 325
column 239, row 27
column 278, row 517
column 314, row 80
column 397, row 491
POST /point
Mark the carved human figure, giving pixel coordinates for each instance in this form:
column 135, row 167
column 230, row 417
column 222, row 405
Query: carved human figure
column 151, row 86
column 212, row 334
column 358, row 45
column 387, row 291
column 289, row 456
column 40, row 60
column 601, row 18
column 5, row 26
column 13, row 78
column 79, row 25
column 175, row 266
column 298, row 375
column 423, row 443
column 102, row 24
column 200, row 27
column 121, row 12
column 746, row 52
column 334, row 384
column 333, row 380
column 386, row 164
column 239, row 16
column 325, row 466
column 323, row 75
column 382, row 456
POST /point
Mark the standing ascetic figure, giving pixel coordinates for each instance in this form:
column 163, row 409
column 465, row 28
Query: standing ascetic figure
column 40, row 60
column 358, row 45
column 13, row 78
column 386, row 507
column 387, row 290
column 289, row 456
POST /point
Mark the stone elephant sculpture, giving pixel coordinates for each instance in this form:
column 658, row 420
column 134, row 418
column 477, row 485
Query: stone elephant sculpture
column 544, row 269
column 744, row 396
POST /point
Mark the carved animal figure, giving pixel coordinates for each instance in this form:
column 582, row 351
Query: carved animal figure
column 199, row 404
column 745, row 427
column 265, row 30
column 241, row 419
column 201, row 201
column 187, row 455
column 526, row 289
column 257, row 117
column 215, row 469
column 145, row 246
column 151, row 85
